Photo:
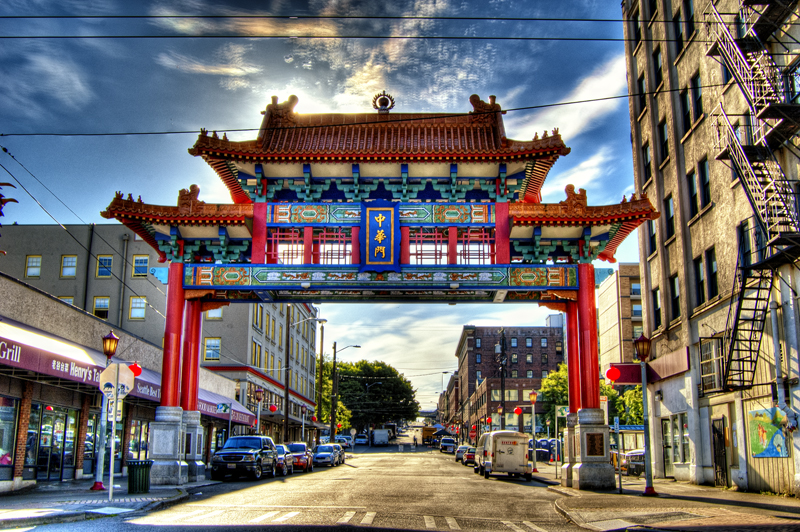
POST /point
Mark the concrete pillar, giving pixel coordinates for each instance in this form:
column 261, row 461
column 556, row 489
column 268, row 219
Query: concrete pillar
column 193, row 446
column 569, row 443
column 166, row 438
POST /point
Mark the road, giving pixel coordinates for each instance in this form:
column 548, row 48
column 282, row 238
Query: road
column 384, row 488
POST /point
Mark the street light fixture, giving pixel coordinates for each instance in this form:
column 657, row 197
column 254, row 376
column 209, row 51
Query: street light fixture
column 533, row 396
column 335, row 391
column 642, row 346
column 110, row 343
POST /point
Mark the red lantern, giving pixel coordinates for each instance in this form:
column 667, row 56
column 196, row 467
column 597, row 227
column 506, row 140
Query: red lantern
column 314, row 419
column 613, row 373
column 136, row 369
column 488, row 421
column 474, row 427
column 338, row 425
column 273, row 408
column 518, row 411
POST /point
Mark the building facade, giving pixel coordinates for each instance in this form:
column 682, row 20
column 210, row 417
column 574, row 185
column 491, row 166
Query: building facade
column 714, row 117
column 110, row 272
column 619, row 313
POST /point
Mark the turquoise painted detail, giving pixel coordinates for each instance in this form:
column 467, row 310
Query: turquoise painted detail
column 161, row 273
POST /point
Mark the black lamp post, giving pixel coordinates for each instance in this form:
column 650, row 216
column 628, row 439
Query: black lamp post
column 259, row 398
column 110, row 343
column 642, row 346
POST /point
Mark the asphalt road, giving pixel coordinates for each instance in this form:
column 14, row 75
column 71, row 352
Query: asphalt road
column 382, row 488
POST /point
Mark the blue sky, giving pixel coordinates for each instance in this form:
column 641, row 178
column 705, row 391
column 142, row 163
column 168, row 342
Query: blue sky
column 86, row 85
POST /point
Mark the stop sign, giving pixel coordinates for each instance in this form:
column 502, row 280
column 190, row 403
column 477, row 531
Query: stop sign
column 472, row 434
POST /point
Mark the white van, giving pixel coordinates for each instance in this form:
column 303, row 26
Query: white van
column 503, row 451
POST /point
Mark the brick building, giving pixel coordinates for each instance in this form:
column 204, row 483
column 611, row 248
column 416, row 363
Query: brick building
column 619, row 312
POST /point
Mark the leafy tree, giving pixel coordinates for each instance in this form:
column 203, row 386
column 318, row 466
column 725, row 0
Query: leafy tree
column 324, row 407
column 372, row 403
column 632, row 411
column 554, row 392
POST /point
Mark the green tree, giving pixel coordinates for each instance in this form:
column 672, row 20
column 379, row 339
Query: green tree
column 369, row 402
column 324, row 407
column 632, row 411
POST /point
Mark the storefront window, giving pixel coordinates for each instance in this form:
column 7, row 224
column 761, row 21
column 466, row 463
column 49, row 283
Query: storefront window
column 8, row 430
column 685, row 431
column 32, row 441
column 91, row 436
column 137, row 446
column 69, row 438
column 676, row 440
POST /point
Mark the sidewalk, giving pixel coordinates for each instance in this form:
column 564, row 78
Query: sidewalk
column 680, row 506
column 61, row 502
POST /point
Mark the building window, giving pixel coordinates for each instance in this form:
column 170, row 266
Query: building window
column 529, row 358
column 67, row 299
column 651, row 236
column 711, row 364
column 697, row 97
column 686, row 112
column 477, row 342
column 513, row 374
column 137, row 308
column 559, row 346
column 677, row 26
column 675, row 297
column 636, row 311
column 705, row 186
column 658, row 68
column 647, row 162
column 258, row 316
column 513, row 342
column 211, row 347
column 711, row 264
column 101, row 307
column 544, row 342
column 477, row 358
column 214, row 314
column 688, row 9
column 529, row 374
column 641, row 88
column 663, row 140
column 745, row 248
column 544, row 359
column 656, row 308
column 669, row 212
column 638, row 331
column 255, row 354
column 104, row 263
column 653, row 8
column 33, row 266
column 528, row 342
column 514, row 358
column 636, row 289
column 544, row 373
column 694, row 207
column 140, row 265
column 69, row 265
column 478, row 374
column 699, row 280
column 637, row 29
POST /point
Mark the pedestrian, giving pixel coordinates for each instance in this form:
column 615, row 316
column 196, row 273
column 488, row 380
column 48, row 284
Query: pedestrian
column 415, row 441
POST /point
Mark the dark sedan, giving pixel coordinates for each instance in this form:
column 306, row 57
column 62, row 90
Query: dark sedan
column 284, row 460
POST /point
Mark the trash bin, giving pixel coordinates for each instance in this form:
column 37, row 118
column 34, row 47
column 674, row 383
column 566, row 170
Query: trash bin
column 139, row 476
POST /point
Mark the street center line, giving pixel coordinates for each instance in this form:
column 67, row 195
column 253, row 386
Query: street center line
column 262, row 517
column 285, row 517
column 368, row 518
column 430, row 522
column 452, row 523
column 346, row 518
column 533, row 527
column 512, row 526
column 205, row 516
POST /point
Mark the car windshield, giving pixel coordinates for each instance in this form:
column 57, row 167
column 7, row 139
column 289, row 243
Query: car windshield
column 297, row 447
column 471, row 450
column 242, row 443
column 324, row 449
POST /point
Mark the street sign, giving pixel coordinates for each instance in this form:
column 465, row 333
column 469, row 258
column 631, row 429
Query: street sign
column 562, row 411
column 120, row 374
column 223, row 408
column 353, row 433
column 472, row 434
column 616, row 424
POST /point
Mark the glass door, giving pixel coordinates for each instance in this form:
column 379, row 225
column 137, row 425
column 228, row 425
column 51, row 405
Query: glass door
column 45, row 444
column 666, row 441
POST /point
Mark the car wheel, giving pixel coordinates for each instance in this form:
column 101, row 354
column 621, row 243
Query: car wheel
column 528, row 477
column 256, row 474
column 285, row 471
column 217, row 476
column 310, row 467
column 485, row 473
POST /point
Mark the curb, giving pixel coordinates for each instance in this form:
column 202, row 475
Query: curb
column 65, row 517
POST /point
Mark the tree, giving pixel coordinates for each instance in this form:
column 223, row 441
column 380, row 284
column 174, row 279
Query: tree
column 633, row 413
column 324, row 408
column 375, row 393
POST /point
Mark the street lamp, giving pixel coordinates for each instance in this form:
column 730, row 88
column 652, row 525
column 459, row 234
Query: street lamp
column 259, row 398
column 110, row 343
column 642, row 347
column 287, row 369
column 335, row 391
column 369, row 426
column 533, row 396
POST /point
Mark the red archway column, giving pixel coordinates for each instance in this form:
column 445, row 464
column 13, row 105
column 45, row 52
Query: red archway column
column 259, row 244
column 587, row 318
column 405, row 245
column 355, row 244
column 191, row 352
column 452, row 245
column 573, row 358
column 170, row 364
column 502, row 233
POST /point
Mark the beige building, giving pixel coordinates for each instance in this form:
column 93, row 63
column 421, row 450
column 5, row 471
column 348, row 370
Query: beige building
column 714, row 117
column 619, row 312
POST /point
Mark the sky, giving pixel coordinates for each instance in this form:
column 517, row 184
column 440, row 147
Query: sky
column 84, row 117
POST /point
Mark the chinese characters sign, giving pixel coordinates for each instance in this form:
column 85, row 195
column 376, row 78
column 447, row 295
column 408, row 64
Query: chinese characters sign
column 380, row 232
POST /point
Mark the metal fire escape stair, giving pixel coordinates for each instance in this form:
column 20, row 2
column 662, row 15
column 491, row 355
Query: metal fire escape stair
column 768, row 190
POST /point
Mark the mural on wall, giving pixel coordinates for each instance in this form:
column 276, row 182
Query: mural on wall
column 766, row 433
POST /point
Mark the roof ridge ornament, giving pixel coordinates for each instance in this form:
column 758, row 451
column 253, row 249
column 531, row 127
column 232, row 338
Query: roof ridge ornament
column 483, row 112
column 281, row 114
column 383, row 102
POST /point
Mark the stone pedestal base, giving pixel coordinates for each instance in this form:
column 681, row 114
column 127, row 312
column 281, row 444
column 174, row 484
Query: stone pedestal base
column 593, row 470
column 569, row 442
column 165, row 447
column 193, row 446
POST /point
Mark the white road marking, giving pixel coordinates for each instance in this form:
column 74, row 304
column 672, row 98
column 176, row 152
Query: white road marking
column 452, row 523
column 430, row 522
column 533, row 527
column 262, row 517
column 346, row 518
column 512, row 526
column 190, row 514
column 285, row 517
column 205, row 516
column 368, row 518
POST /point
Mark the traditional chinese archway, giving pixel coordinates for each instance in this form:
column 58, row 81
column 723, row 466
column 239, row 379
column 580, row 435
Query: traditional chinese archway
column 378, row 207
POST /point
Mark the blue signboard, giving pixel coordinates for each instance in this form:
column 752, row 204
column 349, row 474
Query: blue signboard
column 380, row 236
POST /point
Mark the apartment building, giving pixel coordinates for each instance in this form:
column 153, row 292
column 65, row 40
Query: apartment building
column 110, row 272
column 619, row 313
column 713, row 111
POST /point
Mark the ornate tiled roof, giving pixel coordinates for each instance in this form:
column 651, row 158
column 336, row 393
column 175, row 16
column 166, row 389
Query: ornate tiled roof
column 286, row 136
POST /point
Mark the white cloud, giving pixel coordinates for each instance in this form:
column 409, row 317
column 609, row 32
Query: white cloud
column 230, row 64
column 572, row 120
column 585, row 175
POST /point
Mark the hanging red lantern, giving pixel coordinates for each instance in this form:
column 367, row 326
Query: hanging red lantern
column 273, row 408
column 613, row 373
column 338, row 425
column 488, row 421
column 314, row 419
column 136, row 369
column 518, row 411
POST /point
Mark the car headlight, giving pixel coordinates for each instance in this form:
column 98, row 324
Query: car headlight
column 249, row 458
column 216, row 458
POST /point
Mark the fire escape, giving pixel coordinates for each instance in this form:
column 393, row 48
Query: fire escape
column 774, row 238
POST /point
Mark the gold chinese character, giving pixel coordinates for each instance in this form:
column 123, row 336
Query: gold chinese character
column 380, row 236
column 381, row 250
column 380, row 219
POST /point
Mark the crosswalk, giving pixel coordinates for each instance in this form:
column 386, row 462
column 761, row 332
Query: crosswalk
column 308, row 515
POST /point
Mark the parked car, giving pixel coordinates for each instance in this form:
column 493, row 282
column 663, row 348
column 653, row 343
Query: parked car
column 250, row 455
column 460, row 452
column 340, row 452
column 447, row 445
column 503, row 451
column 343, row 441
column 633, row 462
column 469, row 456
column 361, row 439
column 325, row 454
column 284, row 460
column 302, row 456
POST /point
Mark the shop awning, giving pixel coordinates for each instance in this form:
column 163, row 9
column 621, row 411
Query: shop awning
column 29, row 348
